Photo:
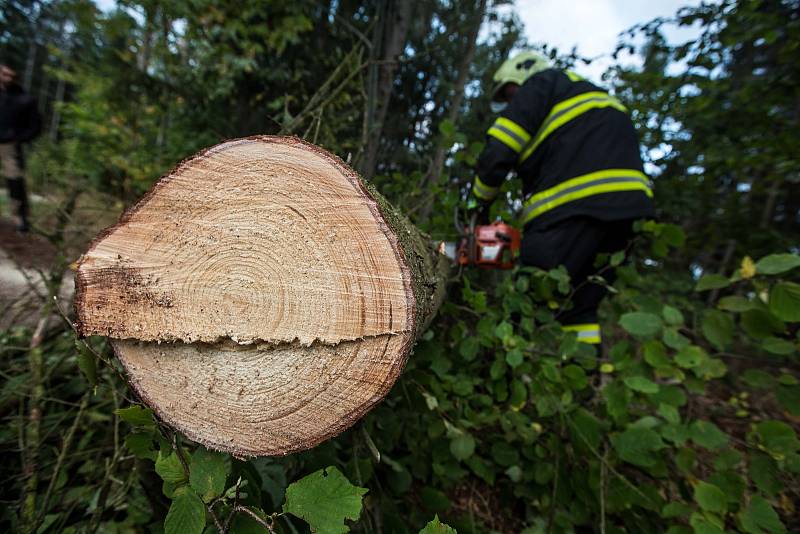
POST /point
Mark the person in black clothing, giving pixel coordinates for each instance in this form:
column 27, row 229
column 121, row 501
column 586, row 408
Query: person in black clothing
column 19, row 123
column 577, row 153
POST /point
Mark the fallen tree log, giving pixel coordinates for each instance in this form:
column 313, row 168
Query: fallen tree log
column 261, row 296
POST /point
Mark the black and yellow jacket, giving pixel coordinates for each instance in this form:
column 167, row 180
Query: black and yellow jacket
column 574, row 148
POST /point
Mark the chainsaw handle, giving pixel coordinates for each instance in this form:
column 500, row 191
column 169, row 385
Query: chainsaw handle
column 503, row 237
column 473, row 219
column 457, row 220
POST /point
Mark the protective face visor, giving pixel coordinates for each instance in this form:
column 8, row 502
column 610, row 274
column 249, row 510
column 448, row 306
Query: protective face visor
column 497, row 107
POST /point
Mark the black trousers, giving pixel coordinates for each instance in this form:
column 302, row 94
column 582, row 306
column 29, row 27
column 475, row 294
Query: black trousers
column 575, row 243
column 12, row 167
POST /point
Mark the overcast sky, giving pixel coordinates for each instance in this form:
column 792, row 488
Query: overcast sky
column 593, row 25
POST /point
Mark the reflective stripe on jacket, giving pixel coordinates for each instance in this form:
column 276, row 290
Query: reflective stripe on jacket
column 574, row 148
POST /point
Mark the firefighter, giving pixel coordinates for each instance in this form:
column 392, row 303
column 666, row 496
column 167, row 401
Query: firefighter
column 19, row 123
column 577, row 154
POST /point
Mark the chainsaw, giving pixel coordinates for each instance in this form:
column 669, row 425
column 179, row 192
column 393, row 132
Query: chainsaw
column 488, row 246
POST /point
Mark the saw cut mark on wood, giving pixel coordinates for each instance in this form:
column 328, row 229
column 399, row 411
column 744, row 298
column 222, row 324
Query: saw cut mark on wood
column 262, row 399
column 261, row 297
column 261, row 239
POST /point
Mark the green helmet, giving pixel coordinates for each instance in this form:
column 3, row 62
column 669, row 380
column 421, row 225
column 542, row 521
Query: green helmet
column 518, row 69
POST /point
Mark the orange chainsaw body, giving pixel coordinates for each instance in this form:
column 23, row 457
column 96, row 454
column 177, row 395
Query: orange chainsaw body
column 490, row 246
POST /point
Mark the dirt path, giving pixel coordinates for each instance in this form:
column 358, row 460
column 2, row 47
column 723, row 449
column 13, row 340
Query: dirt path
column 24, row 260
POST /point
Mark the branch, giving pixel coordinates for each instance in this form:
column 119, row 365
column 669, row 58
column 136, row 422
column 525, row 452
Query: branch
column 313, row 102
column 62, row 454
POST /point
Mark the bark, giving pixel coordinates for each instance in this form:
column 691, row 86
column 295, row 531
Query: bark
column 261, row 296
column 395, row 29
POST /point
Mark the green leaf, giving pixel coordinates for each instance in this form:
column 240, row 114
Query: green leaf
column 673, row 234
column 735, row 304
column 777, row 345
column 187, row 514
column 710, row 497
column 468, row 348
column 685, row 460
column 676, row 509
column 759, row 516
column 669, row 413
column 789, row 397
column 504, row 330
column 137, row 416
column 787, row 379
column 784, row 301
column 514, row 473
column 437, row 527
column 708, row 435
column 550, row 372
column 670, row 394
column 672, row 316
column 482, row 468
column 711, row 368
column 759, row 324
column 617, row 258
column 637, row 446
column 655, row 354
column 677, row 434
column 674, row 339
column 463, row 446
column 514, row 358
column 519, row 394
column 717, row 328
column 641, row 384
column 586, row 429
column 758, row 379
column 447, row 128
column 169, row 468
column 712, row 281
column 703, row 525
column 324, row 499
column 731, row 483
column 728, row 459
column 641, row 324
column 141, row 445
column 207, row 475
column 575, row 376
column 87, row 362
column 778, row 437
column 690, row 356
column 763, row 470
column 504, row 454
column 777, row 263
column 244, row 524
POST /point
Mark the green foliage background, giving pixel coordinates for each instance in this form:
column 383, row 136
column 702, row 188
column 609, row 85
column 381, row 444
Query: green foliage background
column 501, row 422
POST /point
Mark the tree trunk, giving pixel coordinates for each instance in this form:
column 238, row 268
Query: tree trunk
column 435, row 169
column 395, row 28
column 261, row 296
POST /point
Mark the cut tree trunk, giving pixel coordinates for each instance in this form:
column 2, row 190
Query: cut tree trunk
column 261, row 296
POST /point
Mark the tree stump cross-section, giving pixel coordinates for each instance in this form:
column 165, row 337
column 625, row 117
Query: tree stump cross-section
column 261, row 297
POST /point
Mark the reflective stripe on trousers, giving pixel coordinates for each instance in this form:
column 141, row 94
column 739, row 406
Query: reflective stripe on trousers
column 595, row 183
column 587, row 332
